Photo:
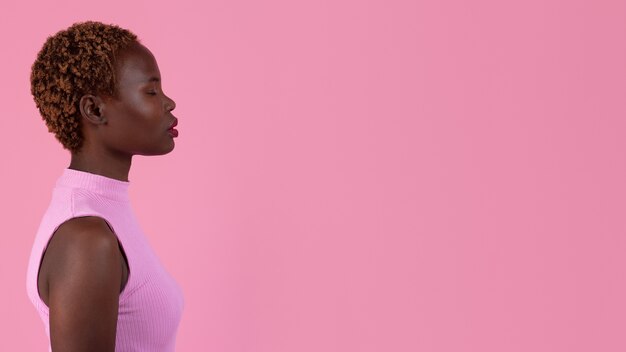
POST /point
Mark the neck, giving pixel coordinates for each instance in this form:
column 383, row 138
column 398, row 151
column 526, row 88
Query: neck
column 103, row 164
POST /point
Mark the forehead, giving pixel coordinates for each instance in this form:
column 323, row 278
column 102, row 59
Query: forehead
column 135, row 64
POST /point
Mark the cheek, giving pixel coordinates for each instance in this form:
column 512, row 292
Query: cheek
column 135, row 98
column 141, row 112
column 139, row 104
column 137, row 116
column 150, row 109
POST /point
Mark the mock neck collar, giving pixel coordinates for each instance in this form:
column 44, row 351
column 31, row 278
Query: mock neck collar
column 102, row 185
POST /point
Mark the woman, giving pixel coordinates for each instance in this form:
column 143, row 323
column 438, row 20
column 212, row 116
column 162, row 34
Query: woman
column 92, row 275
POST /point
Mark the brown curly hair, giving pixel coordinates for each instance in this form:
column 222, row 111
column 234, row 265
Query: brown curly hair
column 77, row 61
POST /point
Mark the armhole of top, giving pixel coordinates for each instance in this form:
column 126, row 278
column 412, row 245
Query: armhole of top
column 119, row 243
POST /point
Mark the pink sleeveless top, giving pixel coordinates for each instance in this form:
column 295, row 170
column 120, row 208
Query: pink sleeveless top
column 151, row 303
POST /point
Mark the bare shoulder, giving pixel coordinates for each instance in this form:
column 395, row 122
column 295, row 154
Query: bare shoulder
column 81, row 248
column 86, row 239
column 82, row 283
column 84, row 230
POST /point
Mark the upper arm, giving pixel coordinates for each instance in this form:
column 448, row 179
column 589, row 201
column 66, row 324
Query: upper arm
column 84, row 278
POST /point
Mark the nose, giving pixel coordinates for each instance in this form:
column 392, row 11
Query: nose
column 169, row 104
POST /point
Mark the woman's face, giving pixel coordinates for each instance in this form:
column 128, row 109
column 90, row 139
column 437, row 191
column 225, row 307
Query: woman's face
column 140, row 117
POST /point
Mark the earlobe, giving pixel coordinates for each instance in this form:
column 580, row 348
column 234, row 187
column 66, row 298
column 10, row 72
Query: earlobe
column 91, row 108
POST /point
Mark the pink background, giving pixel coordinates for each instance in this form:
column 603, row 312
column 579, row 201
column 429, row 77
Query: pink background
column 360, row 175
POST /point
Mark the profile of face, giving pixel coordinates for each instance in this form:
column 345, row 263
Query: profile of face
column 138, row 120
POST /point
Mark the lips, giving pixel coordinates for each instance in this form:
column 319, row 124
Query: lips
column 172, row 131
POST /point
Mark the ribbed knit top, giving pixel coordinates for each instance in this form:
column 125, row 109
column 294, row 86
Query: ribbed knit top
column 151, row 303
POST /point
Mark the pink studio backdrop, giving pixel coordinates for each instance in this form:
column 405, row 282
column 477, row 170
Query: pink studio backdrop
column 360, row 175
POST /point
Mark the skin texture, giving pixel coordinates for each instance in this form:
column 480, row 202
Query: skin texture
column 84, row 269
column 80, row 279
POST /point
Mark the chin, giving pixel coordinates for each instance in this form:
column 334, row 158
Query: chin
column 169, row 149
column 161, row 150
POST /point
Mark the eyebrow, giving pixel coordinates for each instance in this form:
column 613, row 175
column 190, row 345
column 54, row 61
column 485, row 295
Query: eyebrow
column 154, row 79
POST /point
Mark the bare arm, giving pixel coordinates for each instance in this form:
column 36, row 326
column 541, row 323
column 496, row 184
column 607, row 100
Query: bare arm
column 83, row 277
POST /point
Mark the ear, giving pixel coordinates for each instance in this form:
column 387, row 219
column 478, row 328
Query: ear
column 91, row 108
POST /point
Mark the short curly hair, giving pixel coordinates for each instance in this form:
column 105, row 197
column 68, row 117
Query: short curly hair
column 74, row 62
